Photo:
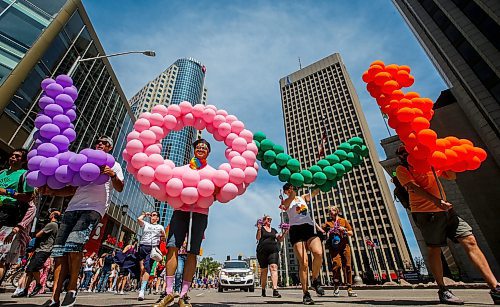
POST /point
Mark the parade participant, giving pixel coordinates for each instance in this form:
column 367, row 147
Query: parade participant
column 303, row 239
column 105, row 263
column 88, row 271
column 84, row 212
column 153, row 234
column 44, row 242
column 127, row 263
column 181, row 260
column 339, row 230
column 267, row 253
column 179, row 228
column 437, row 220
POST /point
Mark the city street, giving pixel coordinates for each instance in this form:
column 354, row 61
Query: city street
column 403, row 297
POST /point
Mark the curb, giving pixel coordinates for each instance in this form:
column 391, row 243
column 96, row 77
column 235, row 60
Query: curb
column 405, row 287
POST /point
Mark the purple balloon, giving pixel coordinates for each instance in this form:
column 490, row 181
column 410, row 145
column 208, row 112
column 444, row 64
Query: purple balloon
column 110, row 160
column 36, row 179
column 97, row 157
column 89, row 172
column 71, row 114
column 34, row 163
column 61, row 121
column 64, row 80
column 64, row 100
column 71, row 91
column 78, row 181
column 45, row 101
column 53, row 90
column 49, row 165
column 64, row 157
column 102, row 179
column 70, row 134
column 32, row 153
column 64, row 174
column 49, row 131
column 61, row 142
column 86, row 151
column 53, row 110
column 55, row 184
column 41, row 120
column 47, row 150
column 77, row 161
column 46, row 82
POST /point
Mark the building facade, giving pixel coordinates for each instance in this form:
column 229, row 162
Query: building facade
column 321, row 98
column 462, row 39
column 182, row 81
column 43, row 39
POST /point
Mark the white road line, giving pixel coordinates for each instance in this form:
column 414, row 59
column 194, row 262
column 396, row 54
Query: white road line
column 200, row 294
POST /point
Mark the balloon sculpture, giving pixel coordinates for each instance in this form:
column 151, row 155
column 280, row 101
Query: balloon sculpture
column 50, row 162
column 324, row 174
column 410, row 115
column 183, row 185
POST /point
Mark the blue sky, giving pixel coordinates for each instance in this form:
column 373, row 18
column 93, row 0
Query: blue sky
column 247, row 46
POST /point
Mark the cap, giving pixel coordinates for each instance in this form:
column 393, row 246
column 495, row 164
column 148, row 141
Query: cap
column 106, row 139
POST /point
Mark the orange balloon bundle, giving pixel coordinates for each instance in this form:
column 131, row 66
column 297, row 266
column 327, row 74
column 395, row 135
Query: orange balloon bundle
column 410, row 115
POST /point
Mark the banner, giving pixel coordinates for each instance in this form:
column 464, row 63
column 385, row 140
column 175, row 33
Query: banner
column 96, row 237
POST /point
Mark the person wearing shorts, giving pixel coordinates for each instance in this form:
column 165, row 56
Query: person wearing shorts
column 438, row 221
column 303, row 239
column 84, row 212
column 267, row 253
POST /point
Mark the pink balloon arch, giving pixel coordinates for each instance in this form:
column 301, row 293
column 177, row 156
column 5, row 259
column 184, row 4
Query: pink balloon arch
column 179, row 185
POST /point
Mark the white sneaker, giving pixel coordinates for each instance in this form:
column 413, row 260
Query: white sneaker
column 141, row 296
column 122, row 293
column 88, row 290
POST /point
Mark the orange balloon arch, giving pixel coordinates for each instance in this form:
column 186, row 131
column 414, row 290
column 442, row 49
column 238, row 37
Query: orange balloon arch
column 410, row 115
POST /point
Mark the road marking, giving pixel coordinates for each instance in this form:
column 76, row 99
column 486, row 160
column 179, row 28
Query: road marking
column 200, row 294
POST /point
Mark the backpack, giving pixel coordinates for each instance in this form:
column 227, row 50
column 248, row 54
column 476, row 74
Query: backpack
column 13, row 214
column 400, row 193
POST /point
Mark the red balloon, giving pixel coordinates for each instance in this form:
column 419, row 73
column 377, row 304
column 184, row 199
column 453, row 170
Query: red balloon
column 473, row 164
column 382, row 77
column 375, row 69
column 402, row 76
column 397, row 94
column 390, row 86
column 420, row 123
column 367, row 77
column 405, row 115
column 454, row 141
column 439, row 160
column 411, row 95
column 452, row 156
column 480, row 153
column 408, row 82
column 378, row 62
column 392, row 69
column 427, row 137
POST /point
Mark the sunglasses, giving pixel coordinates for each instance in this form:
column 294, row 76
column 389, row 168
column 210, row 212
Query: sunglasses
column 105, row 143
column 154, row 214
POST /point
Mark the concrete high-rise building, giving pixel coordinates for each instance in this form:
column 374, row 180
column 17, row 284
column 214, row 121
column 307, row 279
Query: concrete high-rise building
column 321, row 97
column 462, row 39
column 44, row 39
column 182, row 81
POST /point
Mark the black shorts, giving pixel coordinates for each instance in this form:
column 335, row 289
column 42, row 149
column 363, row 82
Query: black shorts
column 145, row 254
column 266, row 258
column 124, row 272
column 301, row 233
column 437, row 226
column 37, row 262
column 179, row 227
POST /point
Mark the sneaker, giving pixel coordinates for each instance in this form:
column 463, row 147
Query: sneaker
column 276, row 294
column 69, row 299
column 176, row 294
column 141, row 296
column 166, row 301
column 307, row 300
column 23, row 293
column 351, row 293
column 35, row 290
column 336, row 290
column 51, row 303
column 122, row 293
column 495, row 295
column 316, row 284
column 263, row 292
column 447, row 297
column 183, row 303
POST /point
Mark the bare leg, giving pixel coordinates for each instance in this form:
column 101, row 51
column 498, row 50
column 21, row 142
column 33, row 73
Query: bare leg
column 435, row 264
column 60, row 272
column 171, row 261
column 263, row 278
column 301, row 255
column 317, row 252
column 475, row 254
column 274, row 275
column 75, row 262
column 189, row 267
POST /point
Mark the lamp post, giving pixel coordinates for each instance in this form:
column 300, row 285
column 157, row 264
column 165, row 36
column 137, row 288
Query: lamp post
column 124, row 209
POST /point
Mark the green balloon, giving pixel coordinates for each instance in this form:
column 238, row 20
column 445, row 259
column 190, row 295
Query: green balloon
column 323, row 163
column 293, row 165
column 319, row 178
column 347, row 165
column 257, row 143
column 326, row 187
column 364, row 151
column 274, row 169
column 315, row 169
column 278, row 148
column 356, row 141
column 282, row 159
column 259, row 136
column 340, row 169
column 330, row 172
column 345, row 146
column 332, row 159
column 354, row 158
column 269, row 156
column 356, row 148
column 339, row 152
column 266, row 145
column 308, row 176
column 264, row 164
column 260, row 155
column 297, row 180
column 284, row 175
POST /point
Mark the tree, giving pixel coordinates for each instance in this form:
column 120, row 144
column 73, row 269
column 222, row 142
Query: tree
column 208, row 266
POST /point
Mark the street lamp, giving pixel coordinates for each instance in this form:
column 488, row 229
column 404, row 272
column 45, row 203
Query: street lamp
column 124, row 209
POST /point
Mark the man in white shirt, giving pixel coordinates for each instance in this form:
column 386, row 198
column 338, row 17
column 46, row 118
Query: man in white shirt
column 84, row 212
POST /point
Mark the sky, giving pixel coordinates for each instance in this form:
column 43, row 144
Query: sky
column 247, row 46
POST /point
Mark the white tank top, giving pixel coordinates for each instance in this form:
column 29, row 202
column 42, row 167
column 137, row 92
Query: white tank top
column 298, row 212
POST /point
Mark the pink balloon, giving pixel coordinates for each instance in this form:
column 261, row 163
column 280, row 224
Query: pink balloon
column 145, row 189
column 226, row 153
column 217, row 136
column 152, row 149
column 142, row 124
column 131, row 169
column 160, row 109
column 252, row 147
column 236, row 175
column 211, row 106
column 199, row 124
column 157, row 189
column 145, row 115
column 229, row 191
column 242, row 187
column 249, row 156
column 155, row 160
column 190, row 178
column 186, row 107
column 169, row 121
column 247, row 135
column 198, row 110
column 179, row 126
column 220, row 178
column 134, row 146
column 250, row 175
column 174, row 202
column 178, row 172
column 189, row 195
column 139, row 160
column 134, row 135
column 147, row 137
column 126, row 156
column 156, row 120
column 232, row 154
column 237, row 126
column 238, row 162
column 231, row 118
column 174, row 187
column 169, row 163
column 208, row 115
column 188, row 119
column 239, row 144
column 218, row 120
column 205, row 202
column 225, row 167
column 230, row 138
column 146, row 174
column 163, row 173
column 210, row 128
column 224, row 129
column 206, row 188
column 207, row 173
column 174, row 110
column 221, row 112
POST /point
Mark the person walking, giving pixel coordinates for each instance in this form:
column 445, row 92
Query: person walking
column 88, row 271
column 437, row 221
column 105, row 263
column 153, row 234
column 181, row 260
column 127, row 262
column 339, row 230
column 303, row 238
column 267, row 253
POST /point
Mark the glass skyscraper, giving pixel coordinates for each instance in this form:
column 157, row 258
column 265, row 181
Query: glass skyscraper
column 182, row 81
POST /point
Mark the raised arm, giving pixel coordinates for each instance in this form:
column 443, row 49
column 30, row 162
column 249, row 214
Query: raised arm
column 307, row 197
column 285, row 204
column 141, row 217
column 258, row 235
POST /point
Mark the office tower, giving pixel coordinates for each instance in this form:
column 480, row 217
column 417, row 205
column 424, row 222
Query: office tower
column 462, row 39
column 320, row 98
column 182, row 81
column 44, row 38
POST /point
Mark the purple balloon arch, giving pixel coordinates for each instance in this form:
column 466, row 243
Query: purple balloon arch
column 50, row 162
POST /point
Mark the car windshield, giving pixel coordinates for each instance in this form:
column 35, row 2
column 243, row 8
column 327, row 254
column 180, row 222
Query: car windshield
column 235, row 265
